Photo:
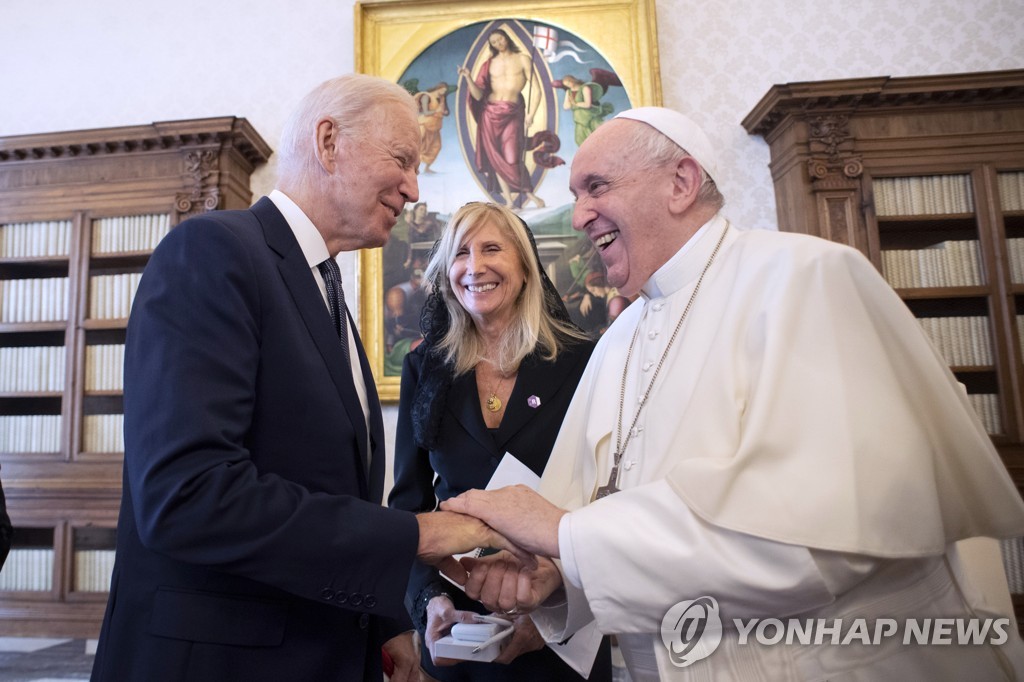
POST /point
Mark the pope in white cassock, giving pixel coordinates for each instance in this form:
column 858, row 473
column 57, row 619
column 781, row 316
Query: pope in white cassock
column 766, row 425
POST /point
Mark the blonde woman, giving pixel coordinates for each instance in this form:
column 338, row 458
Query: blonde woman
column 496, row 371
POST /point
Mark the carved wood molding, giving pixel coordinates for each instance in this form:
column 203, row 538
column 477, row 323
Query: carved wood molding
column 202, row 169
column 230, row 131
column 193, row 164
column 833, row 163
column 989, row 88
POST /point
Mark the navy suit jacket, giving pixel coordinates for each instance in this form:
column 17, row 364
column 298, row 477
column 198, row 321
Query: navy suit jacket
column 251, row 543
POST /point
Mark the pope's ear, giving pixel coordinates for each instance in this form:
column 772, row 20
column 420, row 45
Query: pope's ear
column 685, row 184
column 327, row 144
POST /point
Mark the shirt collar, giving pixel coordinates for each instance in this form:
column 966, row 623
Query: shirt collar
column 685, row 264
column 312, row 243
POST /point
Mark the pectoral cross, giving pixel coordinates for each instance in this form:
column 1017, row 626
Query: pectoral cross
column 606, row 490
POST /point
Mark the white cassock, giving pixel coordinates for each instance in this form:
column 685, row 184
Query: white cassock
column 804, row 453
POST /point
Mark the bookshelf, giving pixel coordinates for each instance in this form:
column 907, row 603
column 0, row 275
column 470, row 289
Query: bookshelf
column 925, row 175
column 80, row 213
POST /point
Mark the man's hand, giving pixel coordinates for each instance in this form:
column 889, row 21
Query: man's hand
column 445, row 533
column 503, row 585
column 402, row 650
column 524, row 639
column 441, row 616
column 517, row 512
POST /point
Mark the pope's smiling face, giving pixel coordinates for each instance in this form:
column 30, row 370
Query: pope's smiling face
column 622, row 206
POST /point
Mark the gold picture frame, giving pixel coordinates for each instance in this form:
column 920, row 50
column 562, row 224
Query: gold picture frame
column 390, row 35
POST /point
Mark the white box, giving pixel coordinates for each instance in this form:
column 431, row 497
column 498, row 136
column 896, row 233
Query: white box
column 475, row 632
column 449, row 647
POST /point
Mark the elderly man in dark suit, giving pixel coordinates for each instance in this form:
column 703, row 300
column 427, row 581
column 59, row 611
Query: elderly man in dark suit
column 252, row 544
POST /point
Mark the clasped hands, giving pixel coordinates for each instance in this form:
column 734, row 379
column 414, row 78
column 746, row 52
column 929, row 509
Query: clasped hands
column 512, row 582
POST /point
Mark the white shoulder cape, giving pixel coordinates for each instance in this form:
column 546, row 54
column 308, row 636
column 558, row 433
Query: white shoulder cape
column 803, row 404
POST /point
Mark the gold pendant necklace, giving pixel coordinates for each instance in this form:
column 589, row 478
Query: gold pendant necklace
column 493, row 402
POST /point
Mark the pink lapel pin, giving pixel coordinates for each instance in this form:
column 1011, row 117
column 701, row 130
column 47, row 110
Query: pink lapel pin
column 533, row 401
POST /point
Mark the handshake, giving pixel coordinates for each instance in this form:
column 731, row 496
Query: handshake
column 515, row 519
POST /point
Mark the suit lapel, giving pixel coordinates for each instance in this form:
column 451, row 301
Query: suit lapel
column 537, row 379
column 376, row 444
column 299, row 279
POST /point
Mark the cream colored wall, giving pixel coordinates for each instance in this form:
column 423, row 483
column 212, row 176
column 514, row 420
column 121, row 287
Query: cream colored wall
column 67, row 65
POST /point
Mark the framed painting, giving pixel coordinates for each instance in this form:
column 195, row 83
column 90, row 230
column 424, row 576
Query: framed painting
column 506, row 93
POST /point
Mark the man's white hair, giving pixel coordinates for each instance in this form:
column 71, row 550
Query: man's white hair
column 353, row 101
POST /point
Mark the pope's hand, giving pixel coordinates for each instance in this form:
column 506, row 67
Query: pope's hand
column 517, row 512
column 501, row 583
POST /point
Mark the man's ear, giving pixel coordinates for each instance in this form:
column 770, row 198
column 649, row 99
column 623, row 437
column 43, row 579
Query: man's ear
column 685, row 185
column 327, row 144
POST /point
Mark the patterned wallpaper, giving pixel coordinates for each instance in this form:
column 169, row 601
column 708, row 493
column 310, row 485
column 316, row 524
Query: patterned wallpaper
column 724, row 56
column 68, row 65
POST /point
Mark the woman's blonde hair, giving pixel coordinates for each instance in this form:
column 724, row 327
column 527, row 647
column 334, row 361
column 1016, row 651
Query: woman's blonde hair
column 533, row 327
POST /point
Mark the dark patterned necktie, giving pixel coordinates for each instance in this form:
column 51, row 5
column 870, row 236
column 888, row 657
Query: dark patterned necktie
column 336, row 301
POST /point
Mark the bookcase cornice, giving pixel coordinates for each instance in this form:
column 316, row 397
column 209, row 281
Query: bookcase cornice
column 801, row 99
column 230, row 131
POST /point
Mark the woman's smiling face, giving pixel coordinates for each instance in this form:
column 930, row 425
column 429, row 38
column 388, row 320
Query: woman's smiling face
column 487, row 275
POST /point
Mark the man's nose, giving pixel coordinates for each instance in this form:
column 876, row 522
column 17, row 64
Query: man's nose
column 410, row 187
column 582, row 214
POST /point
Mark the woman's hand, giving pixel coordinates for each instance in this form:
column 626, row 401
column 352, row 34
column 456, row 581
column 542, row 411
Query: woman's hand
column 441, row 616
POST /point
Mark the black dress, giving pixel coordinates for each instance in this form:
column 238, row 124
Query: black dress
column 464, row 457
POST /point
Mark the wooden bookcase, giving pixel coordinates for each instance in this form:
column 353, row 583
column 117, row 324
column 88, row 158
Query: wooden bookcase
column 80, row 213
column 925, row 176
